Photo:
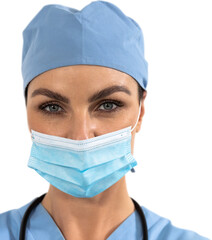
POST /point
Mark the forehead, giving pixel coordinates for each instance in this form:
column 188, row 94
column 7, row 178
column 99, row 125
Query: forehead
column 82, row 77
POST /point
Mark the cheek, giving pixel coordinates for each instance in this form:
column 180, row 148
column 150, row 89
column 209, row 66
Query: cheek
column 41, row 123
column 33, row 121
column 132, row 142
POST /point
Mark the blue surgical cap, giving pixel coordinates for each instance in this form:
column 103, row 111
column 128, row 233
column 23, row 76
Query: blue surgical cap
column 99, row 34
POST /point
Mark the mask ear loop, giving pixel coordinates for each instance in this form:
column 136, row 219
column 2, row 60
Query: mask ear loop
column 137, row 117
column 132, row 169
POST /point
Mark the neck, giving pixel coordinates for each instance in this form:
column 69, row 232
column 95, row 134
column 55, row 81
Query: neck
column 89, row 218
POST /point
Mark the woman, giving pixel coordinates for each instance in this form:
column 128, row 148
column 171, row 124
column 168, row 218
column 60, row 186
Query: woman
column 85, row 80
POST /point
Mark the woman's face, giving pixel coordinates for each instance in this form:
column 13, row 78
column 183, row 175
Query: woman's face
column 83, row 101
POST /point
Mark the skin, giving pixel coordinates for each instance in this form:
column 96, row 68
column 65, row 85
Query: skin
column 85, row 218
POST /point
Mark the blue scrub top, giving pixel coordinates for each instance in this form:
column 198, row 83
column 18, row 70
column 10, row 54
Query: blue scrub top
column 41, row 226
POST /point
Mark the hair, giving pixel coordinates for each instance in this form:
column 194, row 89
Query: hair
column 140, row 93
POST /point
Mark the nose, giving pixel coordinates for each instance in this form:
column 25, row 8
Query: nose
column 82, row 126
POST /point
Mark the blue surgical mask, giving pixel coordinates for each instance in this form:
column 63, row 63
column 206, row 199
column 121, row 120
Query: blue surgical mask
column 83, row 168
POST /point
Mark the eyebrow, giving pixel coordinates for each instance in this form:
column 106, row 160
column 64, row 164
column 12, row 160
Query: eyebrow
column 108, row 91
column 51, row 94
column 98, row 95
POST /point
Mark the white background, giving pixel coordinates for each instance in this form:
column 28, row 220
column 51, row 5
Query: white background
column 173, row 149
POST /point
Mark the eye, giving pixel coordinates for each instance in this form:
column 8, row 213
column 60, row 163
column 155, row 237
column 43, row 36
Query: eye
column 51, row 108
column 109, row 106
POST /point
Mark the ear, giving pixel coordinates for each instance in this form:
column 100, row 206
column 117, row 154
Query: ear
column 138, row 127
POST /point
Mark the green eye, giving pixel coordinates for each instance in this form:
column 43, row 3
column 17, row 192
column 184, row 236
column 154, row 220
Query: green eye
column 52, row 108
column 108, row 106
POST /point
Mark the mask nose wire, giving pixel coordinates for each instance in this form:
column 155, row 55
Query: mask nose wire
column 137, row 117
